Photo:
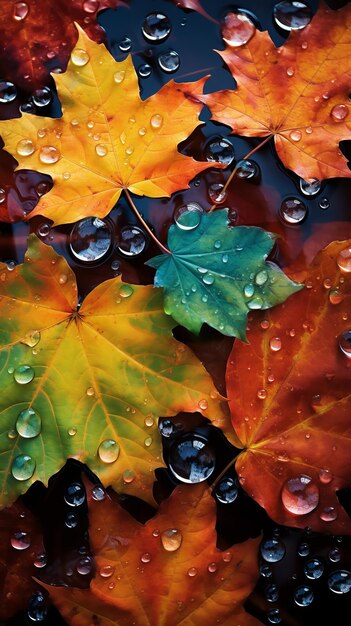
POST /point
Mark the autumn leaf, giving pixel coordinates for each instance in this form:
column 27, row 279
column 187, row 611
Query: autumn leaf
column 166, row 572
column 289, row 392
column 108, row 139
column 194, row 5
column 32, row 47
column 297, row 93
column 21, row 557
column 88, row 382
column 217, row 274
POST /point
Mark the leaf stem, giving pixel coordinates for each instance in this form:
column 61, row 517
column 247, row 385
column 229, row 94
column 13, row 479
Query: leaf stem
column 148, row 230
column 227, row 467
column 247, row 156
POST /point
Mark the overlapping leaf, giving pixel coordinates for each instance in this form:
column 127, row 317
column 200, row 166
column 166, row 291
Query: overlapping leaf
column 290, row 399
column 166, row 572
column 298, row 93
column 102, row 374
column 108, row 139
column 217, row 274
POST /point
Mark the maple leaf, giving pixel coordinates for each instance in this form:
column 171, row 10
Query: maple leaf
column 168, row 571
column 217, row 274
column 21, row 547
column 90, row 382
column 298, row 93
column 292, row 411
column 32, row 47
column 108, row 138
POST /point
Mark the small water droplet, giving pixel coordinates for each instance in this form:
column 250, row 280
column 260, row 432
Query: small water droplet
column 23, row 374
column 98, row 493
column 108, row 451
column 292, row 15
column 310, row 188
column 339, row 581
column 90, row 6
column 261, row 277
column 272, row 550
column 72, row 431
column 37, row 609
column 125, row 44
column 212, row 567
column 8, row 91
column 249, row 290
column 23, row 467
column 40, row 560
column 237, row 29
column 75, row 495
column 146, row 557
column 71, row 520
column 42, row 97
column 49, row 155
column 106, row 571
column 324, row 204
column 192, row 571
column 295, row 135
column 344, row 260
column 128, row 476
column 203, row 404
column 169, row 61
column 119, row 76
column 303, row 595
column 226, row 491
column 313, row 569
column 156, row 121
column 28, row 424
column 156, row 27
column 191, row 460
column 303, row 549
column 275, row 344
column 300, row 495
column 20, row 540
column 84, row 566
column 274, row 616
column 219, row 150
column 216, row 193
column 79, row 57
column 125, row 290
column 255, row 303
column 246, row 169
column 272, row 593
column 90, row 239
column 328, row 514
column 325, row 476
column 25, row 147
column 339, row 112
column 171, row 539
column 293, row 211
column 101, row 149
column 131, row 241
column 144, row 71
column 166, row 428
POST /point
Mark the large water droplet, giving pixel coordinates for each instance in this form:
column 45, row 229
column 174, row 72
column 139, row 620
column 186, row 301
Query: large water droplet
column 37, row 609
column 191, row 460
column 292, row 15
column 345, row 343
column 339, row 112
column 20, row 11
column 23, row 467
column 339, row 581
column 169, row 61
column 49, row 155
column 90, row 6
column 119, row 76
column 23, row 374
column 237, row 29
column 108, row 451
column 42, row 97
column 101, row 149
column 227, row 490
column 328, row 514
column 90, row 239
column 219, row 150
column 272, row 550
column 313, row 569
column 246, row 169
column 310, row 188
column 156, row 27
column 131, row 241
column 106, row 571
column 295, row 135
column 79, row 57
column 28, row 424
column 20, row 540
column 344, row 260
column 171, row 539
column 293, row 211
column 300, row 495
column 192, row 215
column 303, row 595
column 8, row 91
column 167, row 428
column 25, row 147
column 75, row 494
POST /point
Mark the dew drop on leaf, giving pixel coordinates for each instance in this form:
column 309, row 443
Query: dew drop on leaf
column 108, row 451
column 106, row 571
column 101, row 149
column 32, row 338
column 275, row 344
column 20, row 11
column 23, row 374
column 25, row 147
column 192, row 571
column 75, row 495
column 118, row 77
column 292, row 15
column 339, row 112
column 166, row 428
column 328, row 514
column 90, row 6
column 23, row 467
column 144, row 71
column 303, row 549
column 28, row 424
column 40, row 560
column 272, row 550
column 192, row 212
column 156, row 27
column 125, row 290
column 191, row 460
column 171, row 539
column 146, row 557
column 79, row 57
column 84, row 566
column 344, row 260
column 49, row 155
column 20, row 540
column 156, row 121
column 300, row 495
column 237, row 29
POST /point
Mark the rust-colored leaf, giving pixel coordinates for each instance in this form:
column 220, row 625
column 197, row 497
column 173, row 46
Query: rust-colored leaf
column 290, row 399
column 34, row 45
column 298, row 93
column 194, row 5
column 167, row 572
column 20, row 548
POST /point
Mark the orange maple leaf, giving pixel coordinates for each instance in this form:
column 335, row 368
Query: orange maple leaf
column 292, row 411
column 167, row 572
column 298, row 93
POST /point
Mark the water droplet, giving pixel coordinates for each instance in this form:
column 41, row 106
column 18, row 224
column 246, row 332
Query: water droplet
column 25, row 147
column 37, row 609
column 171, row 539
column 237, row 29
column 249, row 290
column 131, row 241
column 118, row 77
column 101, row 149
column 43, row 230
column 146, row 557
column 71, row 520
column 31, row 338
column 2, row 195
column 255, row 303
column 23, row 467
column 293, row 211
column 49, row 155
column 246, row 169
column 203, row 404
column 292, row 15
column 98, row 493
column 20, row 540
column 42, row 188
column 90, row 239
column 169, row 61
column 310, row 188
column 208, row 279
column 42, row 97
column 212, row 567
column 90, row 6
column 262, row 394
column 344, row 260
column 303, row 549
column 125, row 290
column 290, row 72
column 295, row 135
column 108, row 451
column 8, row 91
column 79, row 57
column 272, row 550
column 20, row 11
column 84, row 566
column 274, row 617
column 106, row 571
column 272, row 593
column 219, row 150
column 125, row 44
column 23, row 374
column 303, row 595
column 192, row 215
column 166, row 428
column 265, row 570
column 142, row 131
column 339, row 112
column 40, row 560
column 339, row 581
column 313, row 569
column 345, row 343
column 191, row 460
column 324, row 204
column 275, row 344
column 300, row 495
column 156, row 27
column 28, row 424
column 216, row 193
column 226, row 491
column 192, row 572
column 156, row 121
column 329, row 514
column 75, row 495
column 325, row 476
column 261, row 277
column 128, row 476
column 144, row 71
